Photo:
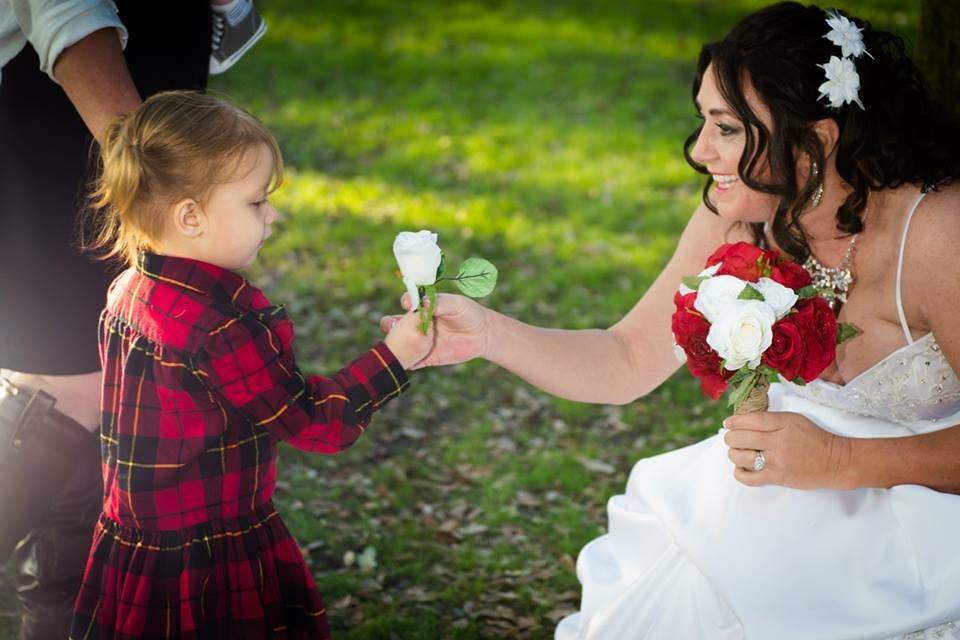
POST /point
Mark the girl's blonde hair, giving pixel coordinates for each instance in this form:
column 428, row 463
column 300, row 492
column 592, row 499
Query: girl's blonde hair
column 176, row 145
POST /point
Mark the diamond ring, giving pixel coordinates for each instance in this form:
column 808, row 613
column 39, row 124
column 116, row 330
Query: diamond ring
column 759, row 461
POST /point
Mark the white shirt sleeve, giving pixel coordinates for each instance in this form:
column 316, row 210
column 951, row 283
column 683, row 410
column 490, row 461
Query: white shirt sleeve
column 53, row 25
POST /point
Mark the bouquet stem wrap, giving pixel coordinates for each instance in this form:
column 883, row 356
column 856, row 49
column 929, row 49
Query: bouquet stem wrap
column 758, row 399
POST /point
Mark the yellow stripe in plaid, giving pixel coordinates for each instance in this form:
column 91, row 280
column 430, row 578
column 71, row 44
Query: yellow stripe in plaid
column 189, row 543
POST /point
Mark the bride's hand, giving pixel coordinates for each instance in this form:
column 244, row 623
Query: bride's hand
column 797, row 452
column 462, row 328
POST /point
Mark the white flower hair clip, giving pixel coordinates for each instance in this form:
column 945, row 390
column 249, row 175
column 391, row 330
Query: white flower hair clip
column 846, row 35
column 843, row 82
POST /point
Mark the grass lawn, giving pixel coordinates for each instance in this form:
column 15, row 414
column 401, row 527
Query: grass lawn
column 545, row 136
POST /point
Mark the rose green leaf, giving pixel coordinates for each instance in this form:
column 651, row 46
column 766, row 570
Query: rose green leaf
column 693, row 282
column 846, row 331
column 477, row 277
column 749, row 293
column 742, row 390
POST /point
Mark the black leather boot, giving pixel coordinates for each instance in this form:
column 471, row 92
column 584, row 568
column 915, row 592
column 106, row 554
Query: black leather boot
column 50, row 496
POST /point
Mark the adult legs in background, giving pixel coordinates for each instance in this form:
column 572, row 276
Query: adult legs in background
column 50, row 300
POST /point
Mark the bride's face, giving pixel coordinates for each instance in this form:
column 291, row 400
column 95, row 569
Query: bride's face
column 719, row 148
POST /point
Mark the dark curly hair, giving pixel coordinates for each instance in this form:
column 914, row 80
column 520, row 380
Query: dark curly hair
column 898, row 138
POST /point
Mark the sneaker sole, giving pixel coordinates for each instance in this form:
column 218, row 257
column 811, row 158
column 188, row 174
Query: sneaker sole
column 217, row 67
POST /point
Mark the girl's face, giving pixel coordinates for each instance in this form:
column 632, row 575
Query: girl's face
column 719, row 148
column 239, row 215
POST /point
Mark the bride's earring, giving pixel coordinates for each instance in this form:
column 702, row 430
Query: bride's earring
column 818, row 192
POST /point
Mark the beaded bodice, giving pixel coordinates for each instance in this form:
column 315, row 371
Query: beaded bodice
column 914, row 383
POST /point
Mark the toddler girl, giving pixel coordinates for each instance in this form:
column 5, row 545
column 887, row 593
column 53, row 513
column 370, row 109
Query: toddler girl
column 200, row 385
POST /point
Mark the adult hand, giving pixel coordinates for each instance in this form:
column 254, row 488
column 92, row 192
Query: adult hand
column 797, row 452
column 461, row 328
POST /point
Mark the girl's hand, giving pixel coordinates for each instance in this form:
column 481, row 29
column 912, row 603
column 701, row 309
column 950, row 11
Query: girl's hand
column 797, row 452
column 405, row 340
column 461, row 330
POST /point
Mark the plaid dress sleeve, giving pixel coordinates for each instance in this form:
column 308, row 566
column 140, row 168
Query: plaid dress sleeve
column 247, row 365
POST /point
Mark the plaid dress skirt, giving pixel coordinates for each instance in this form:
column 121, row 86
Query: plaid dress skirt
column 240, row 578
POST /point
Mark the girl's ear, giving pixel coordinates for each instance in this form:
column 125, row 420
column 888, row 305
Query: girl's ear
column 829, row 133
column 189, row 218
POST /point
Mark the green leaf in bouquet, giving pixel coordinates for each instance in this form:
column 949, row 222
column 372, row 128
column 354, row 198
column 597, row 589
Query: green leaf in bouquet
column 764, row 267
column 477, row 277
column 826, row 293
column 749, row 293
column 742, row 390
column 846, row 331
column 807, row 292
column 800, row 382
column 770, row 373
column 693, row 282
column 739, row 376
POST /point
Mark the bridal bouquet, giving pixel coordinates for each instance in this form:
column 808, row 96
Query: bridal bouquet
column 422, row 266
column 749, row 317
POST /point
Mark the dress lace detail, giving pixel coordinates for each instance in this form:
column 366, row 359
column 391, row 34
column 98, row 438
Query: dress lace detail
column 914, row 384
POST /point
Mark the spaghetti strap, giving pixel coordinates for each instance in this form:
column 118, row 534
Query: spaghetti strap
column 903, row 244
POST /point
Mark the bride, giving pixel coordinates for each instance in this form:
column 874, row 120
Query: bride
column 819, row 141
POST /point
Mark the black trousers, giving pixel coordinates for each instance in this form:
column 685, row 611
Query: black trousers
column 49, row 494
column 51, row 297
column 50, row 294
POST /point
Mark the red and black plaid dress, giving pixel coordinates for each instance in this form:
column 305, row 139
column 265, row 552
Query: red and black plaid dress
column 200, row 385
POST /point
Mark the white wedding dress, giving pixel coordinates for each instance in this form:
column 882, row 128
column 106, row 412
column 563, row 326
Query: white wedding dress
column 692, row 553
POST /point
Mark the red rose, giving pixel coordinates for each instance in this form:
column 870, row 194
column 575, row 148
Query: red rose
column 786, row 353
column 687, row 321
column 741, row 259
column 690, row 330
column 790, row 274
column 818, row 328
column 713, row 383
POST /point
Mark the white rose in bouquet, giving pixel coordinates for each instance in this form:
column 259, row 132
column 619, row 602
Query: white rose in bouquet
column 716, row 294
column 742, row 333
column 418, row 256
column 779, row 297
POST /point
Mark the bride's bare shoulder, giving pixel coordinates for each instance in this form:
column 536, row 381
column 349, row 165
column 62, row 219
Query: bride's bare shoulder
column 934, row 232
column 932, row 254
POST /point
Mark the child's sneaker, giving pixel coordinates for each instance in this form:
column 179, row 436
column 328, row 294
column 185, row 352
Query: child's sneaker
column 236, row 27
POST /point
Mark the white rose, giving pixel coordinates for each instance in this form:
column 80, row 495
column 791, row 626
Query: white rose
column 742, row 333
column 706, row 273
column 419, row 257
column 780, row 298
column 716, row 294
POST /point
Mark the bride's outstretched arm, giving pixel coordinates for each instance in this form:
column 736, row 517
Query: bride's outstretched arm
column 614, row 365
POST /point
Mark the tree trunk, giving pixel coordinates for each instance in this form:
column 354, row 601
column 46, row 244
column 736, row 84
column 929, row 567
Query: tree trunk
column 938, row 53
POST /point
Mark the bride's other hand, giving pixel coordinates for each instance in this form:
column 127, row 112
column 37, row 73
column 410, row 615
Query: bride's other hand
column 461, row 330
column 797, row 452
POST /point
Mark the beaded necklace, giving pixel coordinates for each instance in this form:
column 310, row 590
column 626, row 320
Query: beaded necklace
column 837, row 279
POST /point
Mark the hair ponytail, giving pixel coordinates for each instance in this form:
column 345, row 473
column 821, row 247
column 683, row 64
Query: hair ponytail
column 118, row 188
